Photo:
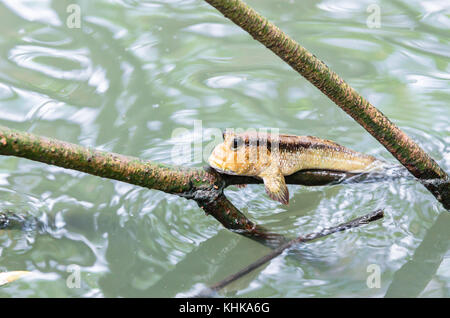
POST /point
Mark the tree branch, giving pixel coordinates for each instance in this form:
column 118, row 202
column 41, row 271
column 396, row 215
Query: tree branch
column 409, row 153
column 370, row 217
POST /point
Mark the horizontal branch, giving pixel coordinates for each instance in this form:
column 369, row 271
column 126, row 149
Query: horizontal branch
column 312, row 177
column 168, row 178
column 132, row 170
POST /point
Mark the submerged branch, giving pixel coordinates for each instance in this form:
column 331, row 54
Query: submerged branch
column 370, row 217
column 323, row 177
column 408, row 152
column 227, row 214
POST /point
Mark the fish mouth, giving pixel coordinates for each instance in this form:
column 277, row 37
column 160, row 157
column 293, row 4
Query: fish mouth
column 215, row 164
column 218, row 166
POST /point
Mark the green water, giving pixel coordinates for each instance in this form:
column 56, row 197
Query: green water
column 136, row 71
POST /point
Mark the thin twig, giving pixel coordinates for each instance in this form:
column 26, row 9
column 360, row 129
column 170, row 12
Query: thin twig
column 370, row 217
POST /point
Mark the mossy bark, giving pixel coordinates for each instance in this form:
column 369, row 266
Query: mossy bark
column 132, row 170
column 409, row 153
column 192, row 183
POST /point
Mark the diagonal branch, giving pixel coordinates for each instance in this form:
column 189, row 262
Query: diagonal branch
column 370, row 217
column 409, row 153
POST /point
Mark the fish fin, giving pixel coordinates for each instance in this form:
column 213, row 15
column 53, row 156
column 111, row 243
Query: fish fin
column 276, row 187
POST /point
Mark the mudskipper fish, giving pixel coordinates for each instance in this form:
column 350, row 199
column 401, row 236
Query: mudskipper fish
column 273, row 156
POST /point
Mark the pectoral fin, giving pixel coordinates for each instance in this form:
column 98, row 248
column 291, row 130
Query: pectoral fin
column 276, row 187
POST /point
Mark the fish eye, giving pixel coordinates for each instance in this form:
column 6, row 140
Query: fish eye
column 236, row 143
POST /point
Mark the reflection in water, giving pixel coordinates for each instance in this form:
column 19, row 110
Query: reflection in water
column 426, row 260
column 137, row 70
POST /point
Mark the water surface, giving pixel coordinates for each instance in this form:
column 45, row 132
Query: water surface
column 136, row 72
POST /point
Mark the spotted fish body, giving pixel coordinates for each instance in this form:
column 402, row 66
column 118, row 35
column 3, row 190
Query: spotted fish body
column 272, row 156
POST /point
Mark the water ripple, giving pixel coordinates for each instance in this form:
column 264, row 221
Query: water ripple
column 137, row 72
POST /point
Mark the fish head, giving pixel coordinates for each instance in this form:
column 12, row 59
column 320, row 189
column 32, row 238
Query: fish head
column 240, row 154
